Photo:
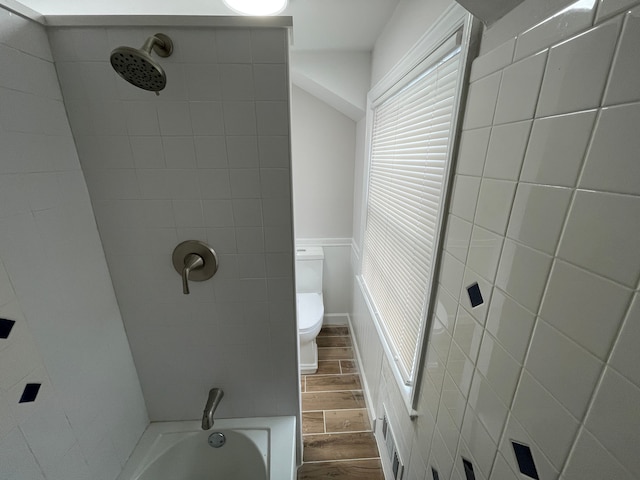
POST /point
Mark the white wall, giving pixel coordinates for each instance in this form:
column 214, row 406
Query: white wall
column 208, row 160
column 54, row 283
column 323, row 143
column 544, row 218
column 409, row 21
column 340, row 79
column 323, row 146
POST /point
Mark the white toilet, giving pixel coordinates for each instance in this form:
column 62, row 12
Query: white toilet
column 310, row 306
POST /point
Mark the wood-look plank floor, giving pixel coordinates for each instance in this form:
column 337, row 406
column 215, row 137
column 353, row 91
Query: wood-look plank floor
column 338, row 441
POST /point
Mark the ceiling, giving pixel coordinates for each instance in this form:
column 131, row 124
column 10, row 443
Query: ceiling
column 318, row 24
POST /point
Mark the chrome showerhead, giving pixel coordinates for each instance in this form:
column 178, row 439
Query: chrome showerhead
column 138, row 68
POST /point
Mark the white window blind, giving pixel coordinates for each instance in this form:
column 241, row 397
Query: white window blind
column 409, row 152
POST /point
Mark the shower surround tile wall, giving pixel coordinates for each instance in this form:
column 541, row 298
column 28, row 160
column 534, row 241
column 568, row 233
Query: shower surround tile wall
column 544, row 217
column 208, row 159
column 54, row 283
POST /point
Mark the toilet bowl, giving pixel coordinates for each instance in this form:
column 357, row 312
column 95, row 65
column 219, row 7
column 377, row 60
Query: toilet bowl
column 309, row 305
column 310, row 314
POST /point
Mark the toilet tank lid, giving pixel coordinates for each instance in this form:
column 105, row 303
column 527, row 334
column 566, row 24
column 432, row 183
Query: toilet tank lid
column 309, row 253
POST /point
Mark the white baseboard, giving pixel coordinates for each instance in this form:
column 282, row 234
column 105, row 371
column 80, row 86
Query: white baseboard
column 336, row 319
column 365, row 386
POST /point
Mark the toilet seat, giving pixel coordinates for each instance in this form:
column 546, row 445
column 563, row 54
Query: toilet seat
column 310, row 312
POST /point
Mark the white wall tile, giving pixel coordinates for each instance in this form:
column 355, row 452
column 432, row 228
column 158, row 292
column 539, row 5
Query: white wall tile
column 490, row 410
column 494, row 60
column 494, row 204
column 510, row 323
column 274, row 151
column 239, row 118
column 519, row 89
column 556, row 149
column 234, row 45
column 577, row 71
column 147, row 152
column 269, row 45
column 206, row 118
column 538, row 216
column 465, row 196
column 613, row 418
column 179, row 152
column 457, row 237
column 506, row 150
column 577, row 303
column 242, row 152
column 625, row 353
column 523, row 274
column 610, row 164
column 607, row 8
column 621, row 87
column 484, row 252
column 473, row 149
column 245, row 183
column 549, row 424
column 590, row 459
column 451, row 273
column 17, row 458
column 599, row 235
column 499, row 369
column 481, row 102
column 467, row 334
column 270, row 81
column 203, row 81
column 211, row 151
column 272, row 118
column 237, row 82
column 572, row 19
column 563, row 367
column 174, row 118
column 515, row 431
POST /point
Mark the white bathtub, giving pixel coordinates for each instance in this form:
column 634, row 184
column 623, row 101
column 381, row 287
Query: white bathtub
column 256, row 449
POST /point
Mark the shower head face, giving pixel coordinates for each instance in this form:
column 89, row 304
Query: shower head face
column 138, row 68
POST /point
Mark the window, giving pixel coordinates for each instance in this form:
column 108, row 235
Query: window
column 410, row 147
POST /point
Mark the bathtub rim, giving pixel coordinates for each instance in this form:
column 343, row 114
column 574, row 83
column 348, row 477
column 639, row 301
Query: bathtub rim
column 282, row 440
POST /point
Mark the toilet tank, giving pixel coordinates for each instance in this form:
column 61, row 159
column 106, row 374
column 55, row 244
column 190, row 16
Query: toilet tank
column 309, row 263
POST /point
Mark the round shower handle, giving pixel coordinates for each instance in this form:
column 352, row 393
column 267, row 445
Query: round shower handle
column 194, row 260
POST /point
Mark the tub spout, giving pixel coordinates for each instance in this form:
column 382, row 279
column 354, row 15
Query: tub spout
column 215, row 395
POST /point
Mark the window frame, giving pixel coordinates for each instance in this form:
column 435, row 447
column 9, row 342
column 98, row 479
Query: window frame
column 454, row 19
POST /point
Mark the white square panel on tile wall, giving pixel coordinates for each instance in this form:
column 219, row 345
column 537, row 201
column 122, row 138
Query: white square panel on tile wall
column 600, row 235
column 563, row 367
column 481, row 102
column 523, row 273
column 510, row 323
column 611, row 163
column 538, row 215
column 626, row 356
column 489, row 408
column 589, row 459
column 577, row 71
column 622, row 88
column 556, row 149
column 506, row 150
column 499, row 368
column 519, row 89
column 473, row 149
column 494, row 204
column 465, row 196
column 551, row 426
column 484, row 252
column 613, row 418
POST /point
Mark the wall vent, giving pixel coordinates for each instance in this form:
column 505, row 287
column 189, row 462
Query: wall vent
column 397, row 466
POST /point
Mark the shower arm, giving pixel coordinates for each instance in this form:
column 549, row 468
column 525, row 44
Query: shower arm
column 158, row 44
